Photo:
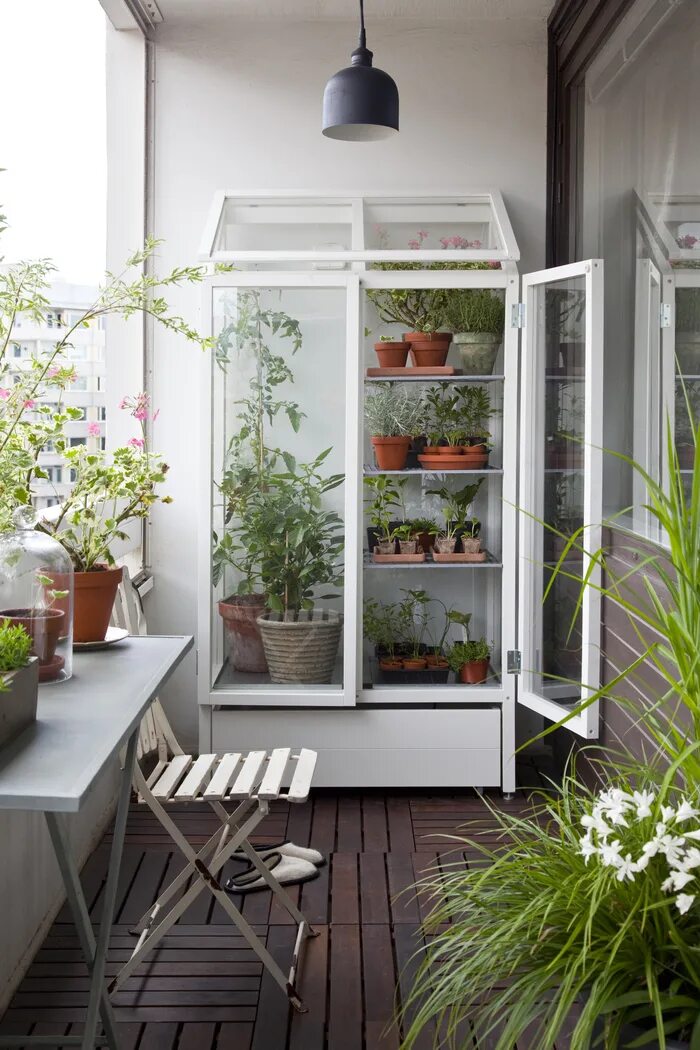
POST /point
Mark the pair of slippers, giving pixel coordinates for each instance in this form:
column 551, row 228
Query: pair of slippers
column 289, row 863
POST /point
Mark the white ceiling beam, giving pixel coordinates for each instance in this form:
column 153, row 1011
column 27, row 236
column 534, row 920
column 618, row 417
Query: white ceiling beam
column 132, row 14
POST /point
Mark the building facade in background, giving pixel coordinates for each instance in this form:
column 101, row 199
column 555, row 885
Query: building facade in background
column 68, row 303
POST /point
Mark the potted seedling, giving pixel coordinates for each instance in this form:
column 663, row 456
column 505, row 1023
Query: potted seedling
column 458, row 525
column 476, row 316
column 391, row 353
column 19, row 681
column 470, row 661
column 474, row 412
column 407, row 536
column 413, row 621
column 393, row 418
column 381, row 534
column 422, row 312
column 423, row 528
column 380, row 626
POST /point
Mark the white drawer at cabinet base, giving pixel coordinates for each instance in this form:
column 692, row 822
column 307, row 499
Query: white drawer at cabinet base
column 376, row 747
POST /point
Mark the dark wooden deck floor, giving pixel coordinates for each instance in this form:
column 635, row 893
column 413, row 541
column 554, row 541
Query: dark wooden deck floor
column 204, row 988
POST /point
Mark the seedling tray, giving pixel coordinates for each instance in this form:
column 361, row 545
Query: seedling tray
column 397, row 559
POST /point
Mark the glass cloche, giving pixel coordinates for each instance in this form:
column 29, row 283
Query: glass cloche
column 36, row 592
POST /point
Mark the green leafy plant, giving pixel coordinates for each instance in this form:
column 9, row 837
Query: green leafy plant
column 457, row 416
column 380, row 625
column 393, row 413
column 385, row 499
column 15, row 647
column 475, row 410
column 287, row 543
column 468, row 652
column 416, row 309
column 456, row 507
column 474, row 310
column 413, row 618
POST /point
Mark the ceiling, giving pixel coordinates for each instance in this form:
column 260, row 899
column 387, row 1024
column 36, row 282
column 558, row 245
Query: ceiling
column 202, row 11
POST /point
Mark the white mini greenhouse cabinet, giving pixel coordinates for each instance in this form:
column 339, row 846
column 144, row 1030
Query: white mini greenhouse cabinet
column 296, row 319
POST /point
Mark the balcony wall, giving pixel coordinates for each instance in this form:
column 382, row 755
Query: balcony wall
column 238, row 106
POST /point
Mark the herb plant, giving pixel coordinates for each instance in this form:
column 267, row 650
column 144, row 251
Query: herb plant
column 474, row 310
column 467, row 653
column 15, row 647
column 393, row 413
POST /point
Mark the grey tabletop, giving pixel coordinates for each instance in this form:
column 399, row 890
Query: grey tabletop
column 82, row 723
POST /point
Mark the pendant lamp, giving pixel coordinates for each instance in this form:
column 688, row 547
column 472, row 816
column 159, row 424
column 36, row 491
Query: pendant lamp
column 360, row 103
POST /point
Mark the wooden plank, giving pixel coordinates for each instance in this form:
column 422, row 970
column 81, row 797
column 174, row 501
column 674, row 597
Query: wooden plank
column 374, row 896
column 323, row 823
column 379, row 983
column 189, row 788
column 271, row 783
column 273, row 1007
column 404, row 907
column 197, row 1036
column 345, row 999
column 344, row 889
column 249, row 775
column 299, row 824
column 407, row 940
column 234, row 1037
column 375, row 829
column 400, row 826
column 218, row 785
column 144, row 890
column 349, row 835
column 303, row 775
column 308, row 1031
column 166, row 784
column 315, row 897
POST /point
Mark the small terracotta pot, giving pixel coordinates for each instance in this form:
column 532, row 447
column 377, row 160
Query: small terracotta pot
column 436, row 661
column 475, row 456
column 392, row 355
column 94, row 594
column 449, row 450
column 391, row 453
column 389, row 665
column 414, row 663
column 240, row 613
column 474, row 673
column 44, row 629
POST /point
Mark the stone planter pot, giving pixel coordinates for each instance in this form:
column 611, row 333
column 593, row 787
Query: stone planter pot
column 301, row 646
column 445, row 544
column 94, row 593
column 18, row 706
column 478, row 351
column 240, row 613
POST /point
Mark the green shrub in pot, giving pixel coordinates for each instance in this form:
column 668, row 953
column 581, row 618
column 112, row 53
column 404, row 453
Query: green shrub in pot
column 19, row 680
column 476, row 316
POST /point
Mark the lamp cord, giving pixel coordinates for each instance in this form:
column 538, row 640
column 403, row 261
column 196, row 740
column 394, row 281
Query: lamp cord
column 363, row 39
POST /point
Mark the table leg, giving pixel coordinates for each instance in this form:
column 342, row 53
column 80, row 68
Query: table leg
column 97, row 988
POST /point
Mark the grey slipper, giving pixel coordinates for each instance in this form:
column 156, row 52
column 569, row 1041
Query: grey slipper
column 288, row 871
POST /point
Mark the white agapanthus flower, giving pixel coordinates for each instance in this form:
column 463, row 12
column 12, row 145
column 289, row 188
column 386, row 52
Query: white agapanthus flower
column 615, row 810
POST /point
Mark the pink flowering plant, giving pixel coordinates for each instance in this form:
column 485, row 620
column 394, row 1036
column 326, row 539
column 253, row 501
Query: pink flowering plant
column 109, row 491
column 35, row 390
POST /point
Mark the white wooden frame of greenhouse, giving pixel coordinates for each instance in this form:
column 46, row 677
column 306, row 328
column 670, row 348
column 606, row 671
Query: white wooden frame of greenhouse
column 419, row 735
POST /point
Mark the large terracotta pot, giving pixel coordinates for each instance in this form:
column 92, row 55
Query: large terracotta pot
column 391, row 453
column 240, row 613
column 94, row 593
column 474, row 673
column 429, row 349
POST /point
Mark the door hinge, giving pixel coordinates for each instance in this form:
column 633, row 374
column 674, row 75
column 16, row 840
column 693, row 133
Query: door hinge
column 517, row 319
column 513, row 658
column 665, row 315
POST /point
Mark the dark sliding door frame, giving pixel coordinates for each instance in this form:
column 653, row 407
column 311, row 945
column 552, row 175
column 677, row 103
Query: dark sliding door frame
column 577, row 30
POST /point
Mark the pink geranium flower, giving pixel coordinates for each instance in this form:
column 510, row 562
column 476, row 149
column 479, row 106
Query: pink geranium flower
column 136, row 443
column 4, row 393
column 29, row 403
column 93, row 430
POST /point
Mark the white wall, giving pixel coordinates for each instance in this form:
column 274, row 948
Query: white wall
column 238, row 105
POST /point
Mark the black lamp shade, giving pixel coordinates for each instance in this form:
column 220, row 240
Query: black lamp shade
column 360, row 102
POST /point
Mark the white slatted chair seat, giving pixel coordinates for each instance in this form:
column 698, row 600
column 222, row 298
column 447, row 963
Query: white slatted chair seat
column 247, row 783
column 233, row 777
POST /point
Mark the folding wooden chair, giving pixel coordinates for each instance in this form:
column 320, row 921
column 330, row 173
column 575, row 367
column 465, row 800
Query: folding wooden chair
column 250, row 781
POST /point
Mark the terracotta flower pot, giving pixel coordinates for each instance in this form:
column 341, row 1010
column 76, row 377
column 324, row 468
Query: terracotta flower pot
column 387, row 664
column 44, row 628
column 94, row 594
column 414, row 663
column 449, row 450
column 428, row 337
column 474, row 673
column 392, row 355
column 475, row 456
column 431, row 354
column 240, row 614
column 436, row 661
column 391, row 453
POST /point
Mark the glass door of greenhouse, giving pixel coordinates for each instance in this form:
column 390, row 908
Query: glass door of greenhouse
column 561, row 492
column 279, row 417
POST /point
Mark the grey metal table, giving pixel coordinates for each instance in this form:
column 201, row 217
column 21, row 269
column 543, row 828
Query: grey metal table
column 81, row 725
